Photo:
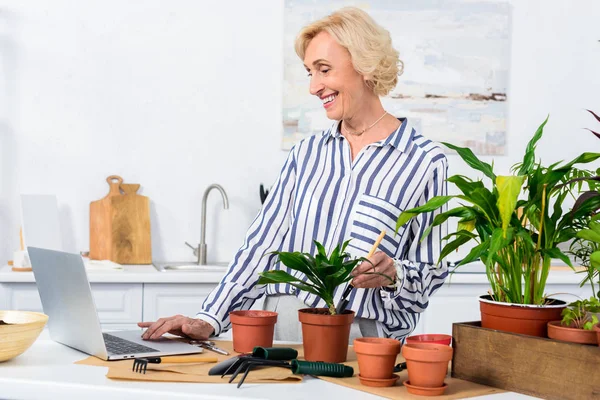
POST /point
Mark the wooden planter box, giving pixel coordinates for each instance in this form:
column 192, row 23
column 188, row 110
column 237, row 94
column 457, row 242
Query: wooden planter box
column 530, row 365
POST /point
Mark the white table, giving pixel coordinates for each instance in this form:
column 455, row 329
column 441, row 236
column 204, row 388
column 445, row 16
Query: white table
column 46, row 371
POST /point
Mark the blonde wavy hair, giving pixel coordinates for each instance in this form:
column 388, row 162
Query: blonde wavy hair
column 369, row 45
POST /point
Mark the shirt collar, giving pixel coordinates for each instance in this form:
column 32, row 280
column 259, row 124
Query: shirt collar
column 400, row 139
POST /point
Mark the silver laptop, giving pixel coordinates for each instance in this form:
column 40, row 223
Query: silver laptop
column 73, row 321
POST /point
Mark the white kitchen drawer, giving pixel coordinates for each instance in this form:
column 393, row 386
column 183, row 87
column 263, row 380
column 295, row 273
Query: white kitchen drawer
column 116, row 303
column 168, row 299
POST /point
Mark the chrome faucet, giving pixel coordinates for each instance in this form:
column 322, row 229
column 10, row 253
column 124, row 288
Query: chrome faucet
column 200, row 251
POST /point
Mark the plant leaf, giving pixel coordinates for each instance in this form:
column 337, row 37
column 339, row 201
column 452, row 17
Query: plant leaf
column 583, row 197
column 595, row 133
column 529, row 158
column 462, row 212
column 582, row 159
column 320, row 249
column 466, row 224
column 485, row 201
column 594, row 114
column 455, row 244
column 509, row 188
column 309, row 289
column 465, row 184
column 467, row 155
column 498, row 241
column 276, row 276
column 475, row 252
column 557, row 253
column 595, row 260
column 433, row 204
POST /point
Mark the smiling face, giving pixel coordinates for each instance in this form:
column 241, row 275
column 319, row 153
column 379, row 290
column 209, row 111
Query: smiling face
column 333, row 78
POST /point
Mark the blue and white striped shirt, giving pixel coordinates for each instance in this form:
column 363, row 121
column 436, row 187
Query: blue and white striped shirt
column 322, row 194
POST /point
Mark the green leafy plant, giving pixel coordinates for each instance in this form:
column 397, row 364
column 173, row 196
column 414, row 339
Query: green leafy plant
column 324, row 272
column 586, row 246
column 579, row 314
column 586, row 249
column 517, row 223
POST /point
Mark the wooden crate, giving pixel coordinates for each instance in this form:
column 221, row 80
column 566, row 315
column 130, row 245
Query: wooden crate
column 530, row 365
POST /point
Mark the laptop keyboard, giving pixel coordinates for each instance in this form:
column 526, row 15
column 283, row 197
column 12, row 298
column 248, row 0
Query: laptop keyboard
column 116, row 345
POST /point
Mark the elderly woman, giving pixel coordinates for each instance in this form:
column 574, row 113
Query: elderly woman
column 349, row 182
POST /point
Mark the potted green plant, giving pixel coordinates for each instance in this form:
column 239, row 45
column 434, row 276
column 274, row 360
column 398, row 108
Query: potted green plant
column 517, row 222
column 577, row 324
column 325, row 333
column 580, row 316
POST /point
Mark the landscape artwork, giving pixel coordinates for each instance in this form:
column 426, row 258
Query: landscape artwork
column 454, row 84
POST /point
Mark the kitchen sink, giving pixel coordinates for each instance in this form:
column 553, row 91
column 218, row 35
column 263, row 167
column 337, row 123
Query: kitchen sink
column 190, row 267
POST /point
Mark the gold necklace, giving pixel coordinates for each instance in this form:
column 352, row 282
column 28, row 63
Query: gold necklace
column 367, row 128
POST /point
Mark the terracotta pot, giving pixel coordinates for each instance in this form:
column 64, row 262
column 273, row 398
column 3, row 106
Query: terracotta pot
column 376, row 357
column 573, row 335
column 427, row 363
column 252, row 328
column 597, row 329
column 434, row 338
column 525, row 319
column 325, row 336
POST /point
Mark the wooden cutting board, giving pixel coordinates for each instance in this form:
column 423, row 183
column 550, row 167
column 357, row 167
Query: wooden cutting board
column 120, row 225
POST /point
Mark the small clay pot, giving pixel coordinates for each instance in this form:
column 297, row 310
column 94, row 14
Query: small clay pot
column 376, row 357
column 252, row 328
column 573, row 335
column 431, row 338
column 427, row 363
column 597, row 329
column 325, row 336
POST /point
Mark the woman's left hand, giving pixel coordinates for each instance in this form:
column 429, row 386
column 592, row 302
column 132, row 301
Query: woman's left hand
column 381, row 263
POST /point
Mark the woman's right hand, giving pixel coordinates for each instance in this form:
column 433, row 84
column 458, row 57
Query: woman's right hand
column 177, row 325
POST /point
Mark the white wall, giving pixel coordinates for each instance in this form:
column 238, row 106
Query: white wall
column 177, row 95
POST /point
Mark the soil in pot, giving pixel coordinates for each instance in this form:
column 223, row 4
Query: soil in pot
column 427, row 363
column 325, row 336
column 525, row 319
column 568, row 334
column 252, row 328
column 376, row 357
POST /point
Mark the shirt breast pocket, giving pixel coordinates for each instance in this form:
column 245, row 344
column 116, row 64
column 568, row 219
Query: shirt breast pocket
column 371, row 216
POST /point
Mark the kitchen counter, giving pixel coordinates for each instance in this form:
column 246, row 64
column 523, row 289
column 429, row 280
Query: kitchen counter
column 472, row 274
column 130, row 274
column 46, row 371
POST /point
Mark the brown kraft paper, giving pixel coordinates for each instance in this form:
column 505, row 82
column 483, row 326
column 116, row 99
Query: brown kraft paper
column 192, row 372
column 198, row 372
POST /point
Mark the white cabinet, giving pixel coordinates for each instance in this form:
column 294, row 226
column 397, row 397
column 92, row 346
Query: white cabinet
column 448, row 305
column 119, row 305
column 167, row 299
column 140, row 293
